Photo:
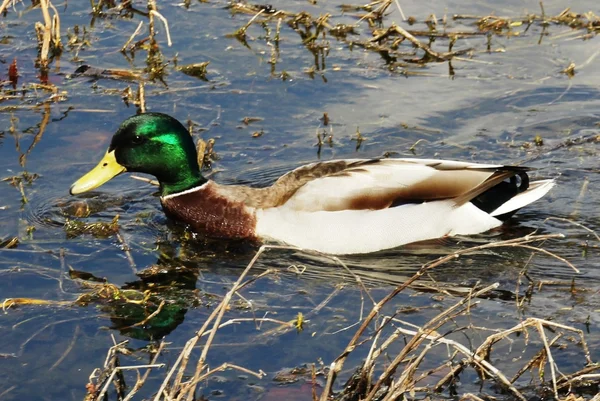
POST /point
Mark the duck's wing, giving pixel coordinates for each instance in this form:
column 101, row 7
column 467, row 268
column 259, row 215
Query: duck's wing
column 382, row 183
column 287, row 185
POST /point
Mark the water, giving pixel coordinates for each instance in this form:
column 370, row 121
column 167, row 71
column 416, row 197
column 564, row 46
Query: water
column 490, row 110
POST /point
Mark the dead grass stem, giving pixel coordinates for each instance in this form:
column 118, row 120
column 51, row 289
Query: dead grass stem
column 337, row 365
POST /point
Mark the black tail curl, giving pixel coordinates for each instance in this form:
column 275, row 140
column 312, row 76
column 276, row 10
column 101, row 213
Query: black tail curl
column 496, row 196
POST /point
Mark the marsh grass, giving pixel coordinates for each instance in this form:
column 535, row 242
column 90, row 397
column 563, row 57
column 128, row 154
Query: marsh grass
column 400, row 355
column 48, row 32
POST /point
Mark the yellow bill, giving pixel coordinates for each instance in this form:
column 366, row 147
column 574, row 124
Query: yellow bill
column 103, row 172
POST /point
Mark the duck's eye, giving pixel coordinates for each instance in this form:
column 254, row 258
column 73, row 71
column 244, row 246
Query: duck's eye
column 138, row 139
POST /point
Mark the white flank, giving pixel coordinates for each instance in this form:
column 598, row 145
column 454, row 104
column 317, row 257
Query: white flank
column 363, row 231
column 536, row 190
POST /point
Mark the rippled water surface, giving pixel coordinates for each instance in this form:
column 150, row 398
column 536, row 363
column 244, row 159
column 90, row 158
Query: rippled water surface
column 486, row 106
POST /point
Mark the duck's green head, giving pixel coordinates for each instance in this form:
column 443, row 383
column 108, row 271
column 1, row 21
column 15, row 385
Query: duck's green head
column 152, row 143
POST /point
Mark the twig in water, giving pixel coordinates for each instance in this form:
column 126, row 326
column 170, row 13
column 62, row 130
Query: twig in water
column 548, row 353
column 400, row 9
column 69, row 348
column 133, row 35
column 50, row 31
column 127, row 251
column 190, row 388
column 534, row 361
column 55, row 26
column 181, row 363
column 118, row 369
column 428, row 331
column 144, row 179
column 338, row 363
column 378, row 11
column 47, row 28
column 156, row 312
column 142, row 97
column 241, row 33
column 555, row 256
column 187, row 389
column 486, row 346
column 403, row 32
column 140, row 382
column 166, row 24
column 5, row 4
column 575, row 224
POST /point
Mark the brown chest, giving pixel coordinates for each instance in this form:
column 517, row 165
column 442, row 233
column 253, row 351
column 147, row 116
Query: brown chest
column 209, row 213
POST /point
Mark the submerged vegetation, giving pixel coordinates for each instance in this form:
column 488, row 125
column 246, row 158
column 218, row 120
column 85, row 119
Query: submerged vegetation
column 391, row 356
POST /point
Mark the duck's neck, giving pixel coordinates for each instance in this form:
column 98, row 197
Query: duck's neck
column 183, row 181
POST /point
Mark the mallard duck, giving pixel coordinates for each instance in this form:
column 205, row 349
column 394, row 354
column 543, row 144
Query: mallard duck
column 337, row 207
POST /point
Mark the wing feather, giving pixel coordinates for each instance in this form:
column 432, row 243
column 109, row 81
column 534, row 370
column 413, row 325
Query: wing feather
column 379, row 184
